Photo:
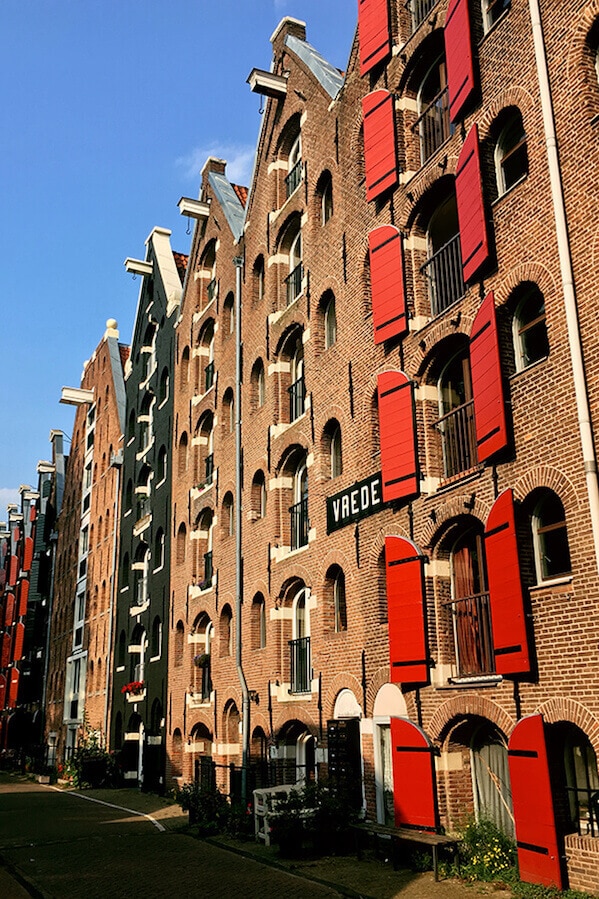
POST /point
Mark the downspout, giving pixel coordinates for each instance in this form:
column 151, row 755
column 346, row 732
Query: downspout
column 567, row 276
column 116, row 462
column 245, row 702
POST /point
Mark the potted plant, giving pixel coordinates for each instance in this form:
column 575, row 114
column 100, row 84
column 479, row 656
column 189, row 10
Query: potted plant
column 202, row 660
column 135, row 687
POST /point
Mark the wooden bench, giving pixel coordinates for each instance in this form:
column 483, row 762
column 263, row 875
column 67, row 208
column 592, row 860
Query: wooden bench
column 405, row 834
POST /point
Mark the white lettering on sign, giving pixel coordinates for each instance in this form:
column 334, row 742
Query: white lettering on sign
column 357, row 502
column 345, row 506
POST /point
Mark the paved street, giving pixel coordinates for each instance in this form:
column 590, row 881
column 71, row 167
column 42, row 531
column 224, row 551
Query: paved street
column 66, row 846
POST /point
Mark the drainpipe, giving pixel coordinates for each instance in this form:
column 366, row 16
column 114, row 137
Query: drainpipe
column 116, row 463
column 245, row 703
column 567, row 276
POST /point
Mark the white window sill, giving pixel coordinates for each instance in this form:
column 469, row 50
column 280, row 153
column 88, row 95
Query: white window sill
column 553, row 582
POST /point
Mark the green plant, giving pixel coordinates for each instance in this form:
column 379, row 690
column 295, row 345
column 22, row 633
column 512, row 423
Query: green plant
column 486, row 853
column 91, row 766
column 536, row 891
column 208, row 808
column 316, row 812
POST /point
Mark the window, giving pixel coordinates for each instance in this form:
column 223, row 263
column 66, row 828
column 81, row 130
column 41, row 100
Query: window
column 258, row 497
column 159, row 550
column 470, row 609
column 162, row 465
column 492, row 11
column 228, row 515
column 336, row 459
column 226, row 631
column 456, row 421
column 511, row 155
column 299, row 645
column 336, row 583
column 156, row 645
column 121, row 655
column 181, row 543
column 204, row 472
column 137, row 650
column 204, row 569
column 330, row 323
column 142, row 558
column 184, row 370
column 530, row 328
column 297, row 390
column 294, row 166
column 577, row 777
column 258, row 384
column 258, row 623
column 228, row 315
column 258, row 280
column 295, row 276
column 433, row 126
column 163, row 386
column 299, row 509
column 443, row 270
column 208, row 282
column 550, row 537
column 131, row 426
column 179, row 643
column 142, row 492
column 182, row 458
column 205, row 360
column 324, row 193
column 228, row 410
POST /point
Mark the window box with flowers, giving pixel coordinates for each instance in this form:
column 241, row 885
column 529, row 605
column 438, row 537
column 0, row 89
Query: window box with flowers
column 134, row 691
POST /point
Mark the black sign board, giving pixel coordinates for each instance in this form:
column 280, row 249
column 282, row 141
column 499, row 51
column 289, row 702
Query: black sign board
column 359, row 501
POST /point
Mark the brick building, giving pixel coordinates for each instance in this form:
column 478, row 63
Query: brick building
column 143, row 600
column 419, row 493
column 80, row 671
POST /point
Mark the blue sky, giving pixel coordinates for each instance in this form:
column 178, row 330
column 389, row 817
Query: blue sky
column 110, row 108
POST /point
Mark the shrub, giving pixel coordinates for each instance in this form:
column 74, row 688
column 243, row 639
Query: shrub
column 486, row 852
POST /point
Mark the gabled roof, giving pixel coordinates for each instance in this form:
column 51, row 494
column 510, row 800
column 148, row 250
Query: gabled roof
column 242, row 193
column 229, row 202
column 328, row 76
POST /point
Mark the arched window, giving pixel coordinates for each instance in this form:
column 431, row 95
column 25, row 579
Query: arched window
column 258, row 280
column 125, row 572
column 228, row 515
column 443, row 270
column 470, row 607
column 337, row 579
column 163, row 386
column 137, row 649
column 300, row 655
column 258, row 623
column 121, row 656
column 434, row 126
column 156, row 644
column 228, row 315
column 179, row 644
column 294, row 166
column 142, row 562
column 204, row 529
column 177, row 754
column 205, row 360
column 324, row 193
column 258, row 496
column 330, row 322
column 184, row 368
column 129, row 496
column 208, row 282
column 159, row 550
column 228, row 410
column 142, row 492
column 181, row 543
column 550, row 537
column 295, row 276
column 226, row 631
column 258, row 385
column 183, row 454
column 531, row 343
column 299, row 510
column 162, row 466
column 297, row 390
column 575, row 764
column 456, row 415
column 204, row 438
column 336, row 458
column 511, row 154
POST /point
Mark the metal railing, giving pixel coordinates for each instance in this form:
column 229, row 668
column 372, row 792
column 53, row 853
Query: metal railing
column 473, row 635
column 458, row 434
column 299, row 523
column 419, row 10
column 293, row 179
column 433, row 125
column 209, row 468
column 294, row 283
column 208, row 376
column 443, row 272
column 300, row 665
column 297, row 399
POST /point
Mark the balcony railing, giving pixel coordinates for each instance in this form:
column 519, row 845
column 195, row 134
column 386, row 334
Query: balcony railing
column 293, row 179
column 297, row 399
column 473, row 635
column 300, row 665
column 299, row 523
column 433, row 126
column 209, row 376
column 419, row 10
column 211, row 289
column 294, row 283
column 209, row 469
column 443, row 272
column 458, row 434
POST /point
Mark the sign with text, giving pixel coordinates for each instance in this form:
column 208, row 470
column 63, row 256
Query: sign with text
column 362, row 499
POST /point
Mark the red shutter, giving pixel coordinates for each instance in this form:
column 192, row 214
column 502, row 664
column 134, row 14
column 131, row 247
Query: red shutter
column 13, row 571
column 414, row 784
column 5, row 649
column 380, row 154
column 13, row 687
column 23, row 597
column 404, row 565
column 2, row 577
column 2, row 691
column 487, row 382
column 19, row 638
column 387, row 283
column 510, row 642
column 374, row 33
column 32, row 513
column 458, row 56
column 28, row 553
column 536, row 836
column 9, row 610
column 397, row 431
column 474, row 240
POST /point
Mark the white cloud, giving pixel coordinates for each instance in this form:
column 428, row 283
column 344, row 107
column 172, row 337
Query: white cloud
column 239, row 158
column 8, row 495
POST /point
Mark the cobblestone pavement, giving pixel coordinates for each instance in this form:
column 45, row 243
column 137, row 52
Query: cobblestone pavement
column 62, row 845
